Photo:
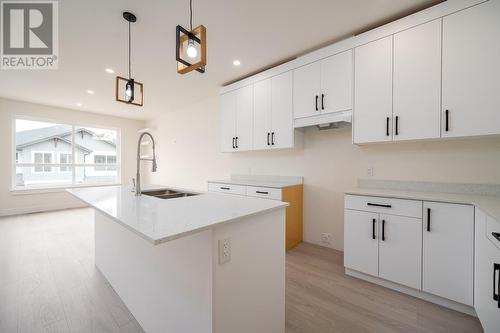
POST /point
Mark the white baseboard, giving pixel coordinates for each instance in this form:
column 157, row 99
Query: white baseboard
column 413, row 292
column 40, row 208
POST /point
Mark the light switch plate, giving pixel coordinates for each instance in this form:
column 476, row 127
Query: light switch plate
column 224, row 250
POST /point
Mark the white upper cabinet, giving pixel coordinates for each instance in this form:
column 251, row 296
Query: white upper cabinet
column 417, row 82
column 273, row 113
column 448, row 251
column 471, row 71
column 262, row 114
column 306, row 90
column 282, row 133
column 244, row 118
column 336, row 83
column 373, row 91
column 228, row 121
column 323, row 86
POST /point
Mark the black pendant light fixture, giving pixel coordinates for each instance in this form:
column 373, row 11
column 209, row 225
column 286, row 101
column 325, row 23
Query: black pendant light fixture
column 191, row 46
column 127, row 89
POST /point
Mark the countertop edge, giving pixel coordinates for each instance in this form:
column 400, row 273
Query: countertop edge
column 243, row 183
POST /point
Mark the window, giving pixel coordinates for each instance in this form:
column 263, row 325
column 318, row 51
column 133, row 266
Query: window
column 51, row 154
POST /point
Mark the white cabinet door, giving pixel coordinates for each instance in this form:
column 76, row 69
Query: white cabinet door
column 487, row 276
column 336, row 83
column 448, row 237
column 400, row 250
column 361, row 241
column 282, row 134
column 262, row 114
column 228, row 121
column 244, row 118
column 417, row 82
column 306, row 90
column 471, row 71
column 372, row 120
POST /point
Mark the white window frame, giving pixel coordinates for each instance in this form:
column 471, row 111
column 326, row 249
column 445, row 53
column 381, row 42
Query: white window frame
column 72, row 166
column 43, row 164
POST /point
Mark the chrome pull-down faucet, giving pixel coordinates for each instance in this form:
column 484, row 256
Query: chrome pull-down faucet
column 139, row 159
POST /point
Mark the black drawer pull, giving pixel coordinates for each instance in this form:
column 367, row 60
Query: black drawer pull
column 225, row 188
column 261, row 192
column 496, row 235
column 496, row 288
column 322, row 101
column 447, row 120
column 378, row 205
column 268, row 134
column 316, row 102
column 272, row 138
column 387, row 127
column 236, row 142
column 397, row 125
column 233, row 142
column 428, row 220
column 383, row 230
column 373, row 228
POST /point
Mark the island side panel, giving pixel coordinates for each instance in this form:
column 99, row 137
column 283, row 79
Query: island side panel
column 249, row 290
column 167, row 287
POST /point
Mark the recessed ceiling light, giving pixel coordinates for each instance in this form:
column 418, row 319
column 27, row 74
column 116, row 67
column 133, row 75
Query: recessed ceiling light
column 110, row 70
column 90, row 92
column 79, row 104
column 236, row 62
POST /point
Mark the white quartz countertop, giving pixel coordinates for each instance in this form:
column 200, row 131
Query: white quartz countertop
column 488, row 204
column 258, row 183
column 161, row 220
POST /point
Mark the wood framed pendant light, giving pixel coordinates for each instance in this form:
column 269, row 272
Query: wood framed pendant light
column 128, row 90
column 191, row 46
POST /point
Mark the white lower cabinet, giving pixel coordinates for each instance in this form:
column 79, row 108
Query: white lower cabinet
column 448, row 251
column 427, row 246
column 400, row 250
column 361, row 241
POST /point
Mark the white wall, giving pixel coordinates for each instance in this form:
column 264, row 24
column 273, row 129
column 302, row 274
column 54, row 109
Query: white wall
column 15, row 203
column 188, row 145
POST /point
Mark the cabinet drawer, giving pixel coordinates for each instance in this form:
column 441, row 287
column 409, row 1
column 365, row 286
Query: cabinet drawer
column 227, row 188
column 493, row 231
column 402, row 207
column 264, row 192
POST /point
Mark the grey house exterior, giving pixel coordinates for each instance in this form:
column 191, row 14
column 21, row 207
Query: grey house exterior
column 52, row 145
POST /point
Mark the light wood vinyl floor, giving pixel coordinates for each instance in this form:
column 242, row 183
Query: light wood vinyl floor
column 48, row 283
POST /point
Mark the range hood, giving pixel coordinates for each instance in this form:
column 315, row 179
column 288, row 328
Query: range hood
column 326, row 120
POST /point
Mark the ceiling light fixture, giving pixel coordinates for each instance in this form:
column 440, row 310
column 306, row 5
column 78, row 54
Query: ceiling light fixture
column 90, row 92
column 127, row 89
column 236, row 62
column 193, row 44
column 110, row 71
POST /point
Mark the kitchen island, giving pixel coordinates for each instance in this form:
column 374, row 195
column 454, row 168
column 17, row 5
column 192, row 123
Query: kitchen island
column 201, row 263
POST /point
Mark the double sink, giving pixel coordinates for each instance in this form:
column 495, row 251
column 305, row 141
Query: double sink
column 167, row 194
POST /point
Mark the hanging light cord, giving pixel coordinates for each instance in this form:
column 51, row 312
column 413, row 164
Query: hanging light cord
column 191, row 14
column 129, row 47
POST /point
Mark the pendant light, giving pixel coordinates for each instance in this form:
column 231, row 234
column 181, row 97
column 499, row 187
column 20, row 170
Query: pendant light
column 127, row 89
column 192, row 44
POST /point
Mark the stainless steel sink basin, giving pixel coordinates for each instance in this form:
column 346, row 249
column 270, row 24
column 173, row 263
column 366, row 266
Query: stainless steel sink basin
column 167, row 194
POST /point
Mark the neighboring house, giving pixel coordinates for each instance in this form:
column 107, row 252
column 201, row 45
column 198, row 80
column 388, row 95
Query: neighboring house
column 52, row 145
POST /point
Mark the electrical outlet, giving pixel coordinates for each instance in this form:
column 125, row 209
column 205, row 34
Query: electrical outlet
column 224, row 250
column 370, row 171
column 326, row 238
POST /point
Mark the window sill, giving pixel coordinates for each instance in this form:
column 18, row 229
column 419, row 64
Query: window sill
column 54, row 189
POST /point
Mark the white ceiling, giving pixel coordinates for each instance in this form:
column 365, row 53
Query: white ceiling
column 93, row 36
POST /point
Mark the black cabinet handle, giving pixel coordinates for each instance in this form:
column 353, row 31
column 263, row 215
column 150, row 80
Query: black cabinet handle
column 233, row 142
column 387, row 127
column 224, row 188
column 378, row 205
column 496, row 235
column 316, row 102
column 272, row 138
column 268, row 139
column 236, row 145
column 383, row 230
column 496, row 295
column 322, row 101
column 397, row 123
column 261, row 192
column 447, row 120
column 373, row 228
column 428, row 220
